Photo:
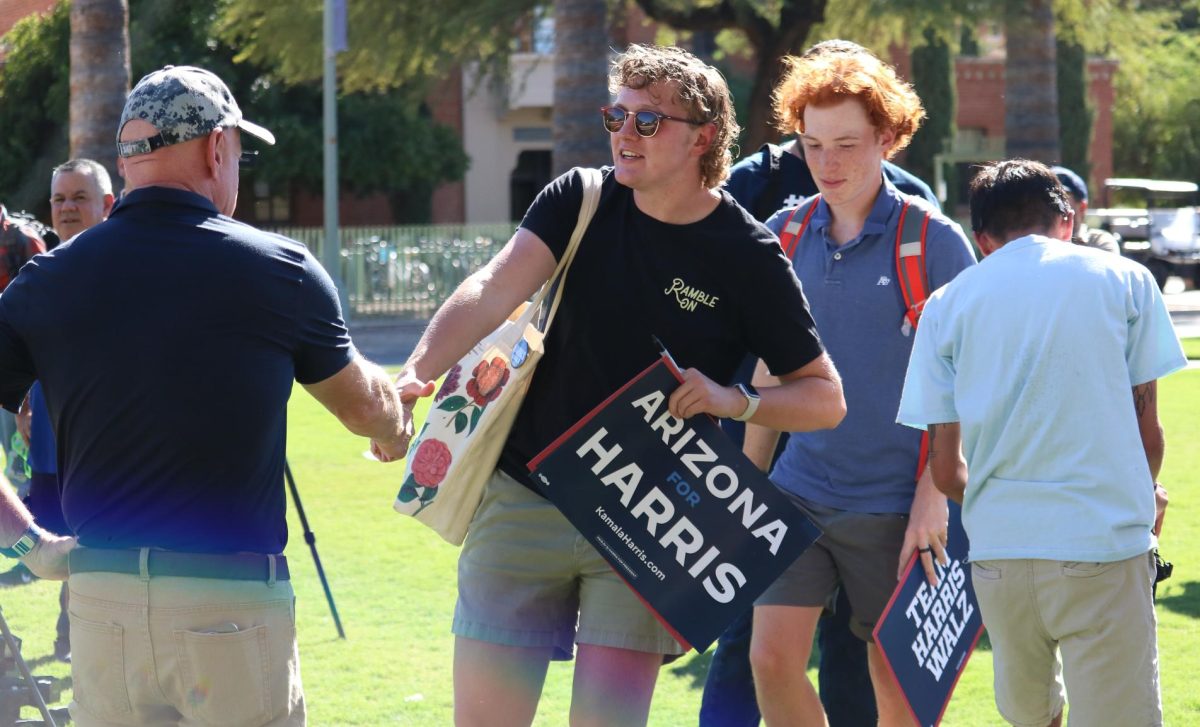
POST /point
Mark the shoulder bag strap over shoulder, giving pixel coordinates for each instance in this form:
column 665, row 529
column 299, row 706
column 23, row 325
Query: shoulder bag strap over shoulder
column 793, row 229
column 552, row 291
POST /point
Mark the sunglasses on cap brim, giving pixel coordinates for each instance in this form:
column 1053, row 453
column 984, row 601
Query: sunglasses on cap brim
column 645, row 123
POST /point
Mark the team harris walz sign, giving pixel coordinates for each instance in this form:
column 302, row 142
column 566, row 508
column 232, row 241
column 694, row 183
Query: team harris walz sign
column 688, row 522
column 927, row 633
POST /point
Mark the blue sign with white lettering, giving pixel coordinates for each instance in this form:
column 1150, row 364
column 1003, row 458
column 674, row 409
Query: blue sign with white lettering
column 680, row 514
column 927, row 633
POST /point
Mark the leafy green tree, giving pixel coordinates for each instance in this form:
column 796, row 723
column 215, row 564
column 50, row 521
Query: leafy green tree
column 406, row 42
column 400, row 44
column 388, row 144
column 410, row 43
column 933, row 80
column 1075, row 111
column 34, row 89
column 1155, row 133
column 387, row 141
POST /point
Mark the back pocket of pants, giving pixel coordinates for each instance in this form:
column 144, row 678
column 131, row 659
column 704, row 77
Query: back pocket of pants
column 98, row 669
column 1081, row 569
column 225, row 675
column 984, row 571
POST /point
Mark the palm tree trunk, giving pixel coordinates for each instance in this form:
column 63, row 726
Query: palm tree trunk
column 99, row 77
column 581, row 43
column 1030, row 82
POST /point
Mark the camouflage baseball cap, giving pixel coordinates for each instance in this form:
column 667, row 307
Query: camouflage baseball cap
column 183, row 103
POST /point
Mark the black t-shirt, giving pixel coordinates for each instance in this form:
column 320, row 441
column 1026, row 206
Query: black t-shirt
column 166, row 340
column 712, row 291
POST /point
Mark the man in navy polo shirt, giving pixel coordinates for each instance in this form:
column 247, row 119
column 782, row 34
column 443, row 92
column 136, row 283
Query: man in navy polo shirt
column 860, row 481
column 167, row 339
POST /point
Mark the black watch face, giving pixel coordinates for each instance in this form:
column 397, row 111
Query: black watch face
column 751, row 390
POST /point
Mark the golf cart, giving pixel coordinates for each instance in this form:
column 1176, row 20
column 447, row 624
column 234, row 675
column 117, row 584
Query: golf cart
column 1158, row 225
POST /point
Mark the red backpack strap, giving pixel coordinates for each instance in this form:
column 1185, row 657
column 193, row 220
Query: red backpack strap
column 911, row 235
column 793, row 229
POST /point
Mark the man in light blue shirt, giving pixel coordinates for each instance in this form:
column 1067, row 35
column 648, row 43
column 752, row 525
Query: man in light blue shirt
column 1040, row 365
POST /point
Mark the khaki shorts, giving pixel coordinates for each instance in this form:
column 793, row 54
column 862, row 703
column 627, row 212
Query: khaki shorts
column 1099, row 616
column 183, row 651
column 857, row 551
column 527, row 578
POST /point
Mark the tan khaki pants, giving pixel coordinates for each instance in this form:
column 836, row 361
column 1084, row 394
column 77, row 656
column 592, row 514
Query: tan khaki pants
column 1098, row 616
column 183, row 651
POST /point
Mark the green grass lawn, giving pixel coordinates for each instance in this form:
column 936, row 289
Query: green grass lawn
column 1191, row 347
column 394, row 582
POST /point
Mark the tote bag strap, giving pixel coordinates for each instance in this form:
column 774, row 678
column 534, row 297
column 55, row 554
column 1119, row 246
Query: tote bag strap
column 592, row 181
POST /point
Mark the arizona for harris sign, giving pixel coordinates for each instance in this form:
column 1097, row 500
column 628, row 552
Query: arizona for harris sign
column 674, row 507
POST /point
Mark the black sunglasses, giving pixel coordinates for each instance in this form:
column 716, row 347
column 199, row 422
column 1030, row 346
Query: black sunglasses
column 645, row 123
column 248, row 159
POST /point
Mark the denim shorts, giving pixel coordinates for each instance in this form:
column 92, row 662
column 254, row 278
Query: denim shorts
column 526, row 577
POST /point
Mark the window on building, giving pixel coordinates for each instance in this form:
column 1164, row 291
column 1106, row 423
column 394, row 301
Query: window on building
column 271, row 206
column 530, row 175
column 543, row 32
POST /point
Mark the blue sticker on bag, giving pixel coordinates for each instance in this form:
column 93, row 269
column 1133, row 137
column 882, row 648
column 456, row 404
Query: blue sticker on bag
column 520, row 352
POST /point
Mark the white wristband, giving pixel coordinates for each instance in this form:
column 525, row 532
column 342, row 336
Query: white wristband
column 752, row 401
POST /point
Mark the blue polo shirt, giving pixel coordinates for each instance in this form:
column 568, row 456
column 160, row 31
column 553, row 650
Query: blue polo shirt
column 1035, row 353
column 869, row 462
column 167, row 339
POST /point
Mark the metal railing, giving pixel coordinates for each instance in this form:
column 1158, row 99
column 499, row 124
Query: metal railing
column 405, row 271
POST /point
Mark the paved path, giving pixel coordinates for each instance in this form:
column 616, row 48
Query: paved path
column 387, row 342
column 1185, row 312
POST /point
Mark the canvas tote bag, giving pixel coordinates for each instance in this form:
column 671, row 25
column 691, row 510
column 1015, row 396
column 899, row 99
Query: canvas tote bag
column 451, row 459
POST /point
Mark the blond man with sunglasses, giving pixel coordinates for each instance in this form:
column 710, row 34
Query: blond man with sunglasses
column 667, row 254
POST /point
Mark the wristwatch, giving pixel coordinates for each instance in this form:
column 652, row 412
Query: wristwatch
column 24, row 544
column 752, row 400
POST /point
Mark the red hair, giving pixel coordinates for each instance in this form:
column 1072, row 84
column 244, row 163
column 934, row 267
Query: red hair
column 825, row 79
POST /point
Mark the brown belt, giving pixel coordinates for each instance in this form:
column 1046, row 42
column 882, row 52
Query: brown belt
column 226, row 566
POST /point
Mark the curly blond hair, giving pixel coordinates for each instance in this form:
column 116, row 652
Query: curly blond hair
column 698, row 86
column 822, row 79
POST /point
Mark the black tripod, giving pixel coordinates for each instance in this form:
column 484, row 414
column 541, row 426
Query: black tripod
column 311, row 539
column 23, row 688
